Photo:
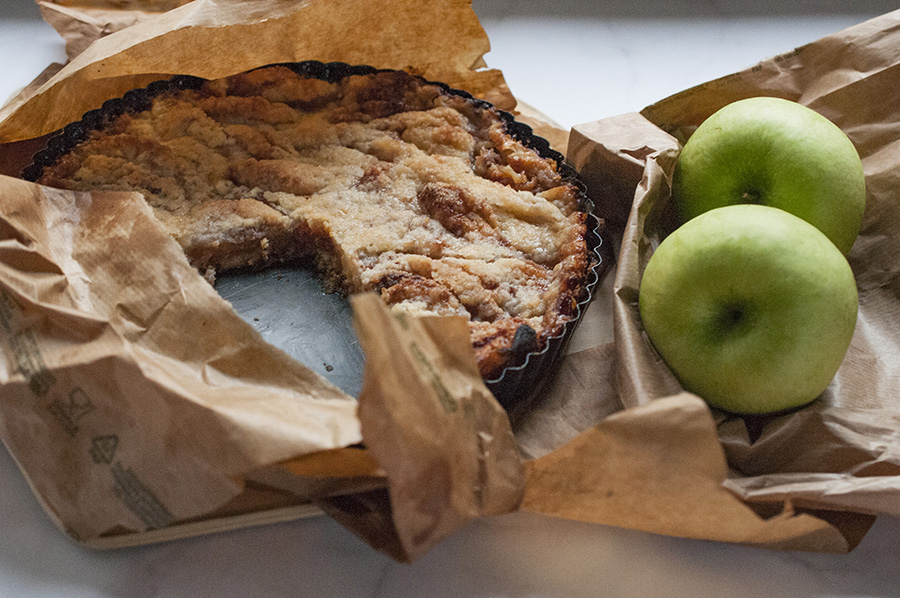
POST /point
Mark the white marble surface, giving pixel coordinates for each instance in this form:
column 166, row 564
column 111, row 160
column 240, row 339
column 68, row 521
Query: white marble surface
column 623, row 57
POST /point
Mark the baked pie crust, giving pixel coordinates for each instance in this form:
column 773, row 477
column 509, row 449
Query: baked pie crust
column 381, row 180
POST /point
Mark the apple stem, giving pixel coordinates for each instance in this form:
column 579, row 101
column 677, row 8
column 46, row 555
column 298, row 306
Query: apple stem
column 751, row 197
column 731, row 317
column 735, row 315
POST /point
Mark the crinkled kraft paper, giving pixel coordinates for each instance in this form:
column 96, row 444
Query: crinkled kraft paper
column 613, row 439
column 661, row 462
column 215, row 38
column 134, row 398
column 81, row 22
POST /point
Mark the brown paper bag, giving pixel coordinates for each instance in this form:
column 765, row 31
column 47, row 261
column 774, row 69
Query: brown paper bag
column 135, row 399
column 445, row 444
column 201, row 38
column 663, row 464
column 614, row 440
column 81, row 22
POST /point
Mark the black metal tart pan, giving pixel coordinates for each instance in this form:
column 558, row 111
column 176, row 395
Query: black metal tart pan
column 515, row 385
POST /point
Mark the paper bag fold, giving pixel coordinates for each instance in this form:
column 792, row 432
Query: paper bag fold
column 841, row 454
column 117, row 425
column 428, row 419
column 216, row 38
column 659, row 468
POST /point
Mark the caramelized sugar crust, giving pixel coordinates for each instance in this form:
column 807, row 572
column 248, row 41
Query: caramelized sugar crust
column 382, row 182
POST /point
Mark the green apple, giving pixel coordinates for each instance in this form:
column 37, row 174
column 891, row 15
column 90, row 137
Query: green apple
column 778, row 153
column 751, row 307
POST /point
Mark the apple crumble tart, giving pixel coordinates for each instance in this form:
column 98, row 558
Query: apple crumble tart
column 384, row 182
